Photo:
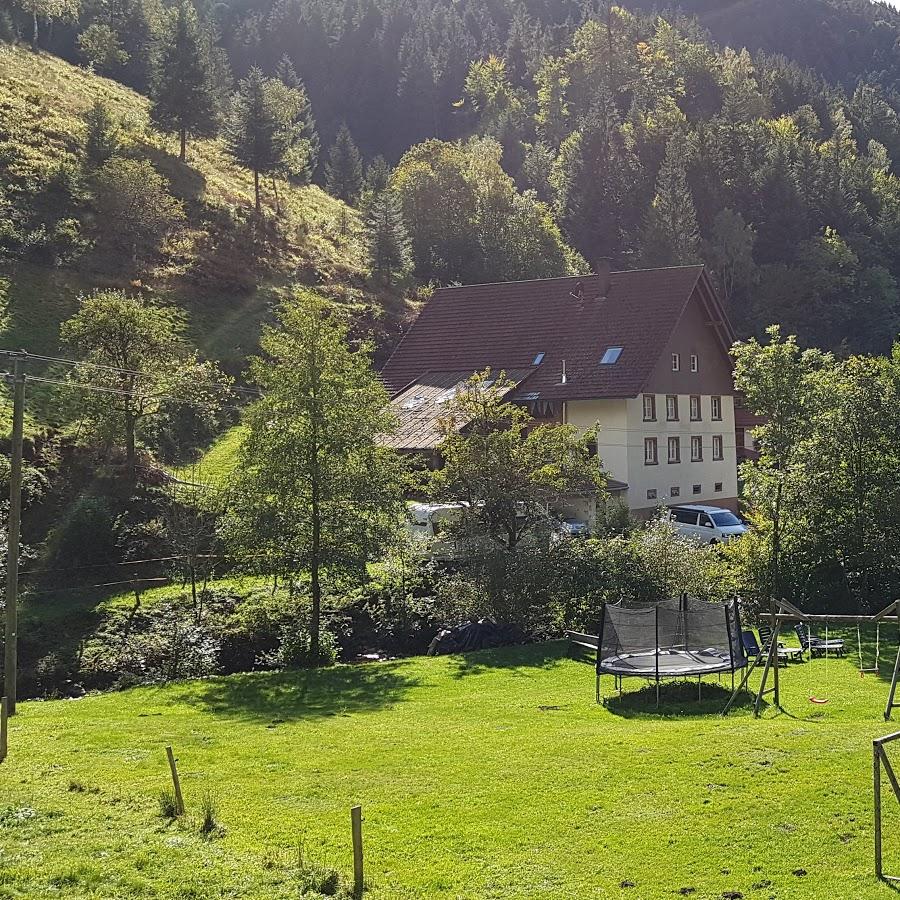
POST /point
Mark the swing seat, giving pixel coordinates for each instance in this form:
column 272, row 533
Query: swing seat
column 819, row 700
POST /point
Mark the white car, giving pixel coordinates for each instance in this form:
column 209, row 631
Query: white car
column 707, row 524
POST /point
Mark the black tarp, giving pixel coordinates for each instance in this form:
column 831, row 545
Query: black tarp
column 480, row 635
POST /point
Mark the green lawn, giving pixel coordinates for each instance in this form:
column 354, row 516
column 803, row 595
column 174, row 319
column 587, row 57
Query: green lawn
column 492, row 775
column 217, row 463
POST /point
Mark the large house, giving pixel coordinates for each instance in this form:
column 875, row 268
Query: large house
column 640, row 357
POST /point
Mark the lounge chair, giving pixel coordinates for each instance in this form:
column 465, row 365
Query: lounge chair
column 751, row 645
column 785, row 653
column 816, row 645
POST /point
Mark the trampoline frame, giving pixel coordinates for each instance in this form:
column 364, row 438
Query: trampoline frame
column 729, row 663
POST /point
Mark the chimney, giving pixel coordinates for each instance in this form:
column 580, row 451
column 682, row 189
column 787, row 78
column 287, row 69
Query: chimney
column 604, row 269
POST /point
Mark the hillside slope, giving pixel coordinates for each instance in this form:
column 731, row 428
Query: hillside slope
column 224, row 267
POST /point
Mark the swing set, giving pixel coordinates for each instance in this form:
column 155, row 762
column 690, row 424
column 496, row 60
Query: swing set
column 786, row 612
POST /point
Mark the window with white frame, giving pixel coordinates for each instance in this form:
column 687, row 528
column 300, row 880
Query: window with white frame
column 695, row 408
column 651, row 456
column 672, row 407
column 674, row 449
column 697, row 448
column 717, row 447
column 676, row 362
column 695, row 362
column 649, row 407
column 715, row 403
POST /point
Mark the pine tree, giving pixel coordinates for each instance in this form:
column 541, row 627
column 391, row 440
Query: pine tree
column 344, row 169
column 671, row 235
column 256, row 134
column 102, row 135
column 186, row 95
column 390, row 250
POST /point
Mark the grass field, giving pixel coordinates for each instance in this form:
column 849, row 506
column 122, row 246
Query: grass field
column 492, row 775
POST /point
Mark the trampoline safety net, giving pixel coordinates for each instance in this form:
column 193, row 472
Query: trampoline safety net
column 671, row 639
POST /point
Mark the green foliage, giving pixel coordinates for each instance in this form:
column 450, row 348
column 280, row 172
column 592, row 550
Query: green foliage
column 188, row 90
column 467, row 222
column 671, row 236
column 99, row 45
column 168, row 805
column 255, row 132
column 209, row 814
column 314, row 492
column 102, row 139
column 134, row 351
column 390, row 251
column 344, row 169
column 135, row 211
column 824, row 490
column 505, row 470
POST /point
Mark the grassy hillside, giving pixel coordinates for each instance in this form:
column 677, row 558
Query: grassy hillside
column 224, row 267
column 490, row 775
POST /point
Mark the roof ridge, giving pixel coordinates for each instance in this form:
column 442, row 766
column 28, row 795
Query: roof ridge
column 479, row 284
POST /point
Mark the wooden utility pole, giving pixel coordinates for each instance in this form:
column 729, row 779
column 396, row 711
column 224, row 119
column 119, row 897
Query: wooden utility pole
column 10, row 659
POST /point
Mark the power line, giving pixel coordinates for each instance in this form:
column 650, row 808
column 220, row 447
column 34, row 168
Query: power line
column 105, row 368
column 99, row 389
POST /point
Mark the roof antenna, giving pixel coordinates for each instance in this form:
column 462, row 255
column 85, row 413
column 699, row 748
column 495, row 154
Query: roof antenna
column 562, row 379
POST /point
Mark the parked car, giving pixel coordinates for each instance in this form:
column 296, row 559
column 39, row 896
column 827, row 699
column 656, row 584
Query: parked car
column 568, row 527
column 708, row 524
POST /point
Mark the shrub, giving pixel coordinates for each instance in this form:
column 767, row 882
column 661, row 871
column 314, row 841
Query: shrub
column 209, row 814
column 317, row 878
column 134, row 208
column 85, row 536
column 168, row 805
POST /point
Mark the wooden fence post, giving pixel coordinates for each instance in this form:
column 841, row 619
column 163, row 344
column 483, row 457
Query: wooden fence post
column 356, row 823
column 876, row 784
column 179, row 800
column 4, row 725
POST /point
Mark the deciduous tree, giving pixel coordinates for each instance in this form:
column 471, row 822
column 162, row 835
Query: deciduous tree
column 315, row 495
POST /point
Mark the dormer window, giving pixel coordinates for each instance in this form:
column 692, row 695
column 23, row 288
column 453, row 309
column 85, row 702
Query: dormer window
column 676, row 362
column 611, row 356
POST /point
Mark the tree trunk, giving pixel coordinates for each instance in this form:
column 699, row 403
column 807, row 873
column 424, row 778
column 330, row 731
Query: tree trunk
column 315, row 586
column 182, row 135
column 194, row 591
column 130, row 455
column 277, row 200
column 34, row 34
column 256, row 190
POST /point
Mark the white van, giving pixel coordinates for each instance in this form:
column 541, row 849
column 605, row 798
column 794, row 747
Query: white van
column 707, row 524
column 428, row 523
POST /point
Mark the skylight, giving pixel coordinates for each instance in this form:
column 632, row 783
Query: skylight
column 611, row 356
column 538, row 359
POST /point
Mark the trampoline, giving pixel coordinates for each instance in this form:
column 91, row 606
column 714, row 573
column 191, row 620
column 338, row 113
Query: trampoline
column 683, row 638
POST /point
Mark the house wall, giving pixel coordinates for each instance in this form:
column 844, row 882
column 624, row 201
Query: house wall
column 622, row 431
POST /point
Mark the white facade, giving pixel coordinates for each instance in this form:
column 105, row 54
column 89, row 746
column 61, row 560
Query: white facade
column 622, row 448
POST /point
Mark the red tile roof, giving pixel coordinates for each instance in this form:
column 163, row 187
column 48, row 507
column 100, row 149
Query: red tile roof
column 507, row 325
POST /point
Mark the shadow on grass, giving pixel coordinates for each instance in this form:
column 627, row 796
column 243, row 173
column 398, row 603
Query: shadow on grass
column 525, row 658
column 676, row 698
column 307, row 694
